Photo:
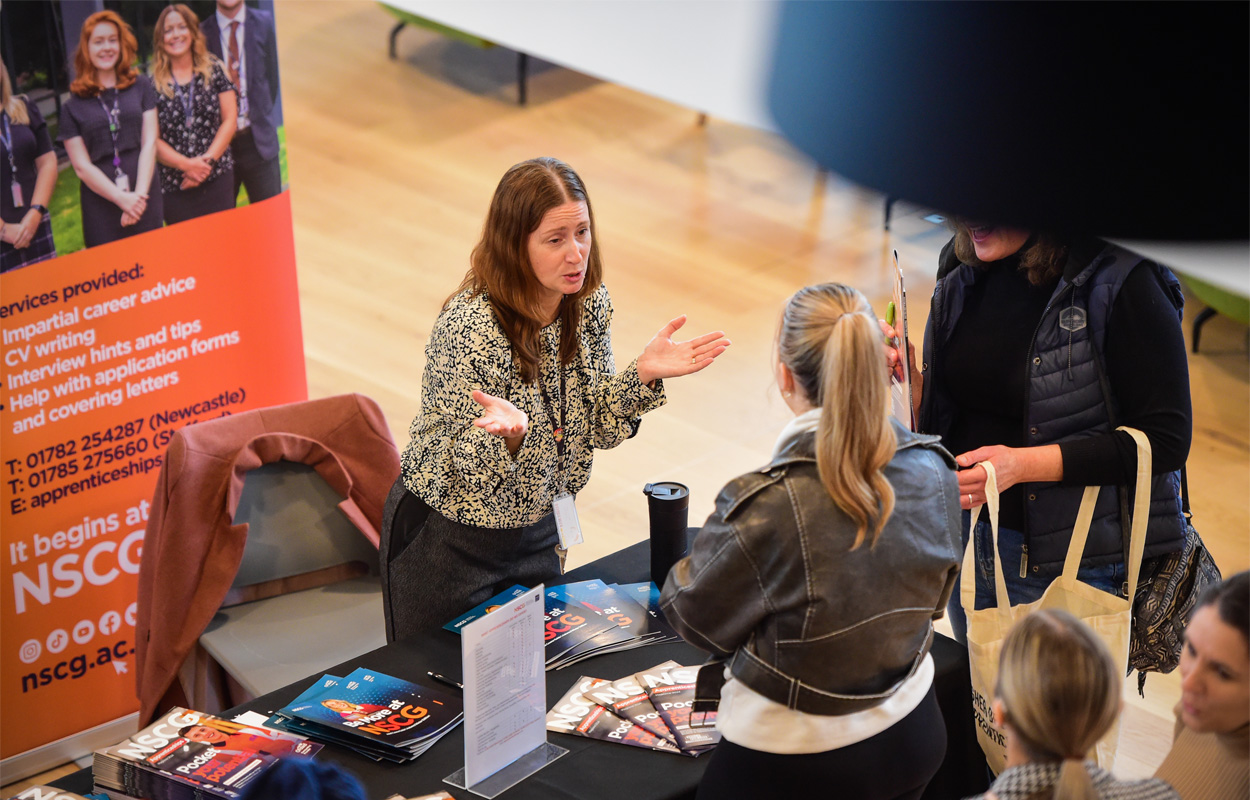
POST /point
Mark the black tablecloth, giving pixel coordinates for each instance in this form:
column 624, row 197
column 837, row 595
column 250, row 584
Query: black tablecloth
column 595, row 769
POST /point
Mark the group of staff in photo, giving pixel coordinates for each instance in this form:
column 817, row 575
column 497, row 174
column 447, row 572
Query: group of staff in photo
column 816, row 581
column 148, row 150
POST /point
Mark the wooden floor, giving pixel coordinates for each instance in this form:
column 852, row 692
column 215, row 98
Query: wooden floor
column 392, row 166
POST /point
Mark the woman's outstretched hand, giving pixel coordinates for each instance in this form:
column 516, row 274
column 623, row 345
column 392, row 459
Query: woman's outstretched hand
column 501, row 418
column 664, row 358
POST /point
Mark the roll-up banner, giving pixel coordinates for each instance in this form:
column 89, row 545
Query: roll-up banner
column 150, row 294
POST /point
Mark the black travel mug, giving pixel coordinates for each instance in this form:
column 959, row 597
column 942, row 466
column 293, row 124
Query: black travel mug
column 667, row 505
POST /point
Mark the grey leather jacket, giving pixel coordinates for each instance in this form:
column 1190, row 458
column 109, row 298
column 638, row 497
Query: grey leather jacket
column 773, row 585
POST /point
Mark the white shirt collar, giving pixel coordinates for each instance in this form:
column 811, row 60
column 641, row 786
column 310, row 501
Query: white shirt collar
column 801, row 424
column 223, row 22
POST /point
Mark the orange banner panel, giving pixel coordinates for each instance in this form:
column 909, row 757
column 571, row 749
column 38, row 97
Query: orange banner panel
column 106, row 353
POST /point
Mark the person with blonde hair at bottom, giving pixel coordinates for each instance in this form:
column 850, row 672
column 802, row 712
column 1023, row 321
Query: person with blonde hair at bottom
column 1058, row 693
column 818, row 577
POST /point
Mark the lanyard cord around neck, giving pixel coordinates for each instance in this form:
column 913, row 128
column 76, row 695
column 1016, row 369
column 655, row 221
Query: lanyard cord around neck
column 115, row 126
column 557, row 426
column 187, row 100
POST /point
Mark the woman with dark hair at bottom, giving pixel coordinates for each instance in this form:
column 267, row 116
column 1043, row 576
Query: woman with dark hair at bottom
column 1058, row 693
column 28, row 175
column 198, row 109
column 109, row 127
column 520, row 388
column 819, row 576
column 1210, row 755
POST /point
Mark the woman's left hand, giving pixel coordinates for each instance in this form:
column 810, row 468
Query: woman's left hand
column 1012, row 465
column 664, row 358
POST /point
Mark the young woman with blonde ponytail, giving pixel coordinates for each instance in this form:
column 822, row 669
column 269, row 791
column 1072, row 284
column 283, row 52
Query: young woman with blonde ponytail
column 818, row 577
column 1058, row 692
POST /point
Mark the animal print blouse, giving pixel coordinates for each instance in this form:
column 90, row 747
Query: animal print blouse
column 467, row 474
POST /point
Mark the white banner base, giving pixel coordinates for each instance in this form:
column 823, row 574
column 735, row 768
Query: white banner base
column 70, row 748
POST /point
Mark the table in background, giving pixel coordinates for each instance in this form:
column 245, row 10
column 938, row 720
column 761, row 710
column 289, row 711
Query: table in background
column 593, row 769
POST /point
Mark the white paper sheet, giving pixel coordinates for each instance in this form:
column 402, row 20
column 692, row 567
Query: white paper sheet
column 505, row 687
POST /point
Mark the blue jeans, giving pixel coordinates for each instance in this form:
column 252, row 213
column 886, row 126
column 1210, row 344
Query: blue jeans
column 1109, row 577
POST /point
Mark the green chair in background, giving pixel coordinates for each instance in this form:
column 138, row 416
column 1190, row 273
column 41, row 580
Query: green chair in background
column 1218, row 300
column 406, row 18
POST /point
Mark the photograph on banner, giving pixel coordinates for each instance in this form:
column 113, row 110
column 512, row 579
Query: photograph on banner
column 123, row 117
column 139, row 315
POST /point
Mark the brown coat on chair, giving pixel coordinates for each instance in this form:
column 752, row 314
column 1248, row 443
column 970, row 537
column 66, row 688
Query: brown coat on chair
column 192, row 549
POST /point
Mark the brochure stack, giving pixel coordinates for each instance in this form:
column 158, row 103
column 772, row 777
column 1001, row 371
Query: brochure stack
column 379, row 716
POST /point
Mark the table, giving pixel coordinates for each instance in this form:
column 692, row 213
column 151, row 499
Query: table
column 595, row 769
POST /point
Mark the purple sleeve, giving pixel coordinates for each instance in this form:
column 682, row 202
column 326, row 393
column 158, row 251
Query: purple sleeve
column 39, row 127
column 69, row 125
column 147, row 100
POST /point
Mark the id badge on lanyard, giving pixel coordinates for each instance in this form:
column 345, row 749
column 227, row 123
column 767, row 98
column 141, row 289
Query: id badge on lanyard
column 567, row 526
column 120, row 178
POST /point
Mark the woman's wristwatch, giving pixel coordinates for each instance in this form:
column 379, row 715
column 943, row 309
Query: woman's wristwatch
column 43, row 210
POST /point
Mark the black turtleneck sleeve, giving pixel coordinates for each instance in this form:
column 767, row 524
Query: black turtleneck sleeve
column 1148, row 372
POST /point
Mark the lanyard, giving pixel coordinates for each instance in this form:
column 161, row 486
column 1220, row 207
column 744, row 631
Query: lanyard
column 115, row 125
column 187, row 100
column 7, row 139
column 557, row 426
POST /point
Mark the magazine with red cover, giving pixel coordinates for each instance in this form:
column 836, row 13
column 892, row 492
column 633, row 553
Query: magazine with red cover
column 186, row 753
column 626, row 698
column 671, row 689
column 578, row 715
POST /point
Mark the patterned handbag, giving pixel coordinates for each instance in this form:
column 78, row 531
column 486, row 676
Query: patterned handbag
column 1167, row 591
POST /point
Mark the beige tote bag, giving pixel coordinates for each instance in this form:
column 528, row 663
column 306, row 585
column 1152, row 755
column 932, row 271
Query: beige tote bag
column 1108, row 615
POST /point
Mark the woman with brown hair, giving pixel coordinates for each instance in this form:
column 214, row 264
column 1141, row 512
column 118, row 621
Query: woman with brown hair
column 28, row 175
column 1058, row 693
column 109, row 128
column 1037, row 347
column 520, row 388
column 818, row 577
column 1210, row 755
column 197, row 107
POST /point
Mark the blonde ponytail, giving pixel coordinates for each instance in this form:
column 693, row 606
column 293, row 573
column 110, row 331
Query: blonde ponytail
column 830, row 340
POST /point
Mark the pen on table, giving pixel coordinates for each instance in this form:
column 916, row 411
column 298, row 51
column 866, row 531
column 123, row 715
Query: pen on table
column 445, row 680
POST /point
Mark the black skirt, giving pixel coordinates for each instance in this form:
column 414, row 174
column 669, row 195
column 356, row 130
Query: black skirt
column 434, row 569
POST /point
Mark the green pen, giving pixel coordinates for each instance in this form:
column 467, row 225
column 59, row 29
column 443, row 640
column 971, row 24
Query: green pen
column 889, row 314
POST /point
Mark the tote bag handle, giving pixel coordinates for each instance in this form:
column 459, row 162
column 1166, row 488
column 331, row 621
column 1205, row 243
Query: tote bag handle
column 1141, row 515
column 967, row 582
column 1080, row 532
